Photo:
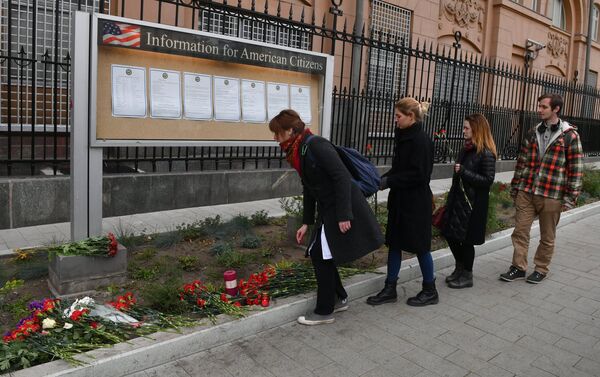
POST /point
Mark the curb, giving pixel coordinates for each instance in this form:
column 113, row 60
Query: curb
column 163, row 347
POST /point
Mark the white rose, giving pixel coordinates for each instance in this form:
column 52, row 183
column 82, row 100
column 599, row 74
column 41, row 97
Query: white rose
column 48, row 323
column 68, row 326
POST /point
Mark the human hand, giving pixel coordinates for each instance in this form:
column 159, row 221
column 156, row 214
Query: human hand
column 345, row 226
column 300, row 233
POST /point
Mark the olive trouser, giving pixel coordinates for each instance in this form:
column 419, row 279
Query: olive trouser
column 528, row 206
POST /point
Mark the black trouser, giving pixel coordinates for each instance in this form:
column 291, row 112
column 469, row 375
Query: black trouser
column 464, row 253
column 329, row 284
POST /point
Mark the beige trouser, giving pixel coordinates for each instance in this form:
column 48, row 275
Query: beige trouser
column 528, row 207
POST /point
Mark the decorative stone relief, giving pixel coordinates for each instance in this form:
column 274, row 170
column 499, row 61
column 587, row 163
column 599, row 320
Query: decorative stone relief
column 557, row 45
column 464, row 13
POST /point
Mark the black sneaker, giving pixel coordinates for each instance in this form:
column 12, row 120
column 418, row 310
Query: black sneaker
column 513, row 274
column 535, row 277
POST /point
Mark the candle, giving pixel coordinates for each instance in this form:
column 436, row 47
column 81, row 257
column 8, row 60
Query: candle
column 230, row 282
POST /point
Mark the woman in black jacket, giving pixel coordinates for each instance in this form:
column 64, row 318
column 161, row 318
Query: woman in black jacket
column 467, row 204
column 409, row 203
column 346, row 228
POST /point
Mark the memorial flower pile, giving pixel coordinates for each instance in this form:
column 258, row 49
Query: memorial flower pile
column 55, row 329
column 209, row 302
column 105, row 246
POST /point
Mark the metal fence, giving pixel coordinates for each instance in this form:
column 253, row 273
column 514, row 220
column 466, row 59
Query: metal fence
column 378, row 67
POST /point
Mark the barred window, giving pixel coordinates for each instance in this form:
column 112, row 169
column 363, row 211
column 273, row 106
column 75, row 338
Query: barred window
column 45, row 28
column 256, row 30
column 456, row 83
column 388, row 69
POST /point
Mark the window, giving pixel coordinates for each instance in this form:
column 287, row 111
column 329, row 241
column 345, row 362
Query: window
column 256, row 30
column 558, row 14
column 51, row 34
column 388, row 69
column 456, row 82
column 595, row 18
column 535, row 5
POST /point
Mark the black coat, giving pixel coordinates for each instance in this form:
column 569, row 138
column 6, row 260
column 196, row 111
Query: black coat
column 329, row 191
column 477, row 174
column 409, row 200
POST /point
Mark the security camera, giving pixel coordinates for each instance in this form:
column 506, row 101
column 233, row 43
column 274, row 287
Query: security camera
column 535, row 44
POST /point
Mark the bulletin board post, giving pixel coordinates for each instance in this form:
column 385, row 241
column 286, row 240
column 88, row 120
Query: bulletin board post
column 139, row 84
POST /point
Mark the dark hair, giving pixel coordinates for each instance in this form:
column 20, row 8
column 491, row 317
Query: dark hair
column 286, row 120
column 555, row 100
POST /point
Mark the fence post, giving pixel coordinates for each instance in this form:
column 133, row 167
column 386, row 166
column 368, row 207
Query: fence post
column 336, row 11
column 457, row 46
column 528, row 59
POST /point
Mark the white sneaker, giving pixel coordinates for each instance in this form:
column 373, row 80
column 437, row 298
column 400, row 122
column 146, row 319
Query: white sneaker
column 312, row 319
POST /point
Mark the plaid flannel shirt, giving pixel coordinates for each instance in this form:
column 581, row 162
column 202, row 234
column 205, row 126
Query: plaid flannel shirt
column 556, row 174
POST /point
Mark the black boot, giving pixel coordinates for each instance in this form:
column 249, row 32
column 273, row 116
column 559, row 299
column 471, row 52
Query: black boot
column 465, row 280
column 387, row 294
column 457, row 271
column 428, row 296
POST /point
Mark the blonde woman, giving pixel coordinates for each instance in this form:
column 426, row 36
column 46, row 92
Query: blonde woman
column 409, row 203
column 468, row 199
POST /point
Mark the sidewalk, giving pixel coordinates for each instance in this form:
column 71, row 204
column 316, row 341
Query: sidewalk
column 157, row 222
column 493, row 329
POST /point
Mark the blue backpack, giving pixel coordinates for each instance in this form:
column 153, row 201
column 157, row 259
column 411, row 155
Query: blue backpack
column 363, row 172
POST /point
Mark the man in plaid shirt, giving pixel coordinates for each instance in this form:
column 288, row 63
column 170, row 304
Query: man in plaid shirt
column 547, row 180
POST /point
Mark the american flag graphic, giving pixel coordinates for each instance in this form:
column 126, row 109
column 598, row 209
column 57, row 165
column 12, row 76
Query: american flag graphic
column 119, row 34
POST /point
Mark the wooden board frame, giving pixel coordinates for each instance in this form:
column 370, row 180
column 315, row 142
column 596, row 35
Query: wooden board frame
column 106, row 130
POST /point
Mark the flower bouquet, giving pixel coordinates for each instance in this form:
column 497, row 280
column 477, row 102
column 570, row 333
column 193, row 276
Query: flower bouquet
column 209, row 302
column 105, row 246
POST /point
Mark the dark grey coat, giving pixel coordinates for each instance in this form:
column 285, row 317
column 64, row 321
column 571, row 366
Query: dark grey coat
column 409, row 201
column 333, row 197
column 463, row 222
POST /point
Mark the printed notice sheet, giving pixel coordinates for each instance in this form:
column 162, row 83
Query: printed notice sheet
column 128, row 91
column 300, row 101
column 277, row 98
column 197, row 96
column 165, row 94
column 227, row 99
column 253, row 101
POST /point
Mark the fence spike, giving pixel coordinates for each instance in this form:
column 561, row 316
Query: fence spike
column 323, row 23
column 335, row 88
column 253, row 5
column 344, row 90
column 313, row 18
column 239, row 3
column 362, row 92
column 68, row 57
column 279, row 8
column 22, row 51
column 362, row 33
column 345, row 24
column 353, row 92
column 291, row 12
column 46, row 55
column 302, row 14
column 266, row 7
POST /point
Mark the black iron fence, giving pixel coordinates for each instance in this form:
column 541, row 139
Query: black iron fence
column 375, row 69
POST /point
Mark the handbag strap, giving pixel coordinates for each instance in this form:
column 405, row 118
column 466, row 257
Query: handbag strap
column 464, row 193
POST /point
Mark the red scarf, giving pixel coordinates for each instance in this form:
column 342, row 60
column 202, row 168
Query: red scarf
column 291, row 147
column 469, row 145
